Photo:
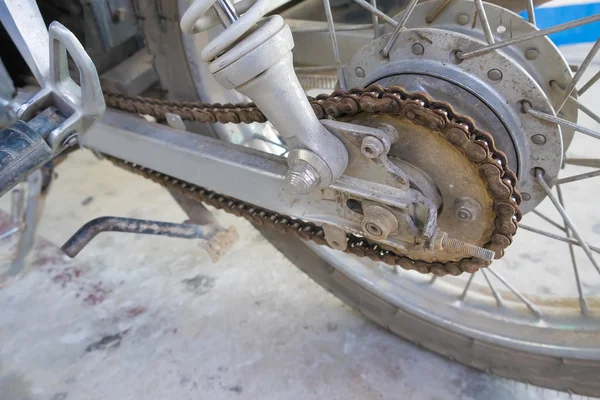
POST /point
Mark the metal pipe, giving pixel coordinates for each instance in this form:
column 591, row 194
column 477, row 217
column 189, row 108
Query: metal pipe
column 130, row 225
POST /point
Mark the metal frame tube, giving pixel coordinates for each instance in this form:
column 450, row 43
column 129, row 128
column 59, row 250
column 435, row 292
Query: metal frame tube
column 229, row 169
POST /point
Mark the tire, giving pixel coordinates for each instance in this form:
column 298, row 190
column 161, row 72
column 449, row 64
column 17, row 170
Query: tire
column 160, row 26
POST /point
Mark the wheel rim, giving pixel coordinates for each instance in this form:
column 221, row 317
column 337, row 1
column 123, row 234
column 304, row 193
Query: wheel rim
column 552, row 309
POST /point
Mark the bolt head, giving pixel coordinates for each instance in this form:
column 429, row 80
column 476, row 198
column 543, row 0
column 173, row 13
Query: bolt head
column 418, row 49
column 526, row 196
column 467, row 209
column 538, row 139
column 532, row 54
column 359, row 72
column 301, row 177
column 463, row 214
column 463, row 19
column 495, row 75
column 72, row 141
column 372, row 147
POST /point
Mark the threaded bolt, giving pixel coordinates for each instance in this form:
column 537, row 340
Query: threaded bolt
column 468, row 249
column 302, row 177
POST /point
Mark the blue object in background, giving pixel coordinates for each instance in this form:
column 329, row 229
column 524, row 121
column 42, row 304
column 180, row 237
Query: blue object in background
column 550, row 16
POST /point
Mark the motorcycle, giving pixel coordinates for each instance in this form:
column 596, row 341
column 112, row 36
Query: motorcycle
column 443, row 124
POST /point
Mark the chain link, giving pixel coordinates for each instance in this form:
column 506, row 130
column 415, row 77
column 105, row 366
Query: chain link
column 460, row 131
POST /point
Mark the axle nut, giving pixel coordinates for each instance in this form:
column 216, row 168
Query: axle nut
column 378, row 222
column 307, row 170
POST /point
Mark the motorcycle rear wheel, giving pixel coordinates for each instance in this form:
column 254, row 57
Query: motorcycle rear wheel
column 549, row 356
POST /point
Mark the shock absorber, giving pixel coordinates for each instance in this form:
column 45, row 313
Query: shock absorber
column 253, row 55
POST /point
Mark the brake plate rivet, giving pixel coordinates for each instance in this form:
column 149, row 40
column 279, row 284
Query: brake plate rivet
column 359, row 72
column 463, row 19
column 532, row 54
column 538, row 139
column 418, row 49
column 495, row 75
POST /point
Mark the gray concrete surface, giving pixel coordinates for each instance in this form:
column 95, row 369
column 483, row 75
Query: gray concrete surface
column 143, row 317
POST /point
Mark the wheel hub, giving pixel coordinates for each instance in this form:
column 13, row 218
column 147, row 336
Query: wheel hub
column 489, row 88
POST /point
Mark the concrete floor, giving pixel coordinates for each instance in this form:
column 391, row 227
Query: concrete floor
column 145, row 317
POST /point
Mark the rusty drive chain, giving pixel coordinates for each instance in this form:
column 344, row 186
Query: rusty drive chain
column 460, row 131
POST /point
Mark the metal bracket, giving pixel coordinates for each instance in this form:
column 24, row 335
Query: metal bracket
column 45, row 52
column 81, row 104
column 218, row 240
column 373, row 143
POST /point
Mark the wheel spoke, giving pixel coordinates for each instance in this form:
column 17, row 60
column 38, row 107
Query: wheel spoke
column 557, row 237
column 589, row 83
column 530, row 12
column 560, row 121
column 584, row 162
column 436, row 11
column 467, row 286
column 377, row 11
column 590, row 113
column 375, row 20
column 530, row 36
column 318, row 68
column 258, row 136
column 485, row 23
column 583, row 306
column 334, row 44
column 338, row 28
column 566, row 218
column 548, row 219
column 401, row 24
column 579, row 177
column 496, row 294
column 513, row 289
column 580, row 71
